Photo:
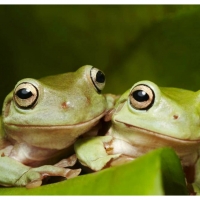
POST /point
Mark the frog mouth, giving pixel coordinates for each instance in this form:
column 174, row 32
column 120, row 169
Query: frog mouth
column 68, row 126
column 157, row 135
column 51, row 136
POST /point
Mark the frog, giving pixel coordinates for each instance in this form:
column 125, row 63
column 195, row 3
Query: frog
column 41, row 119
column 144, row 118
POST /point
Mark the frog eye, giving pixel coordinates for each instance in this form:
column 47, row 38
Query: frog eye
column 25, row 95
column 141, row 97
column 98, row 79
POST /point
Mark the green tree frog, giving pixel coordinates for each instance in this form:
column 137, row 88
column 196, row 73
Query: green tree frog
column 41, row 120
column 144, row 118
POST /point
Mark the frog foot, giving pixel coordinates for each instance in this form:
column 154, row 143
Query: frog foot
column 14, row 173
column 56, row 170
column 47, row 171
column 91, row 152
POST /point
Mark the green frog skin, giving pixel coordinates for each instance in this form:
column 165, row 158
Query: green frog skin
column 144, row 118
column 41, row 120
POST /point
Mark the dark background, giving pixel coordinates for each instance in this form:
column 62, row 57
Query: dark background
column 129, row 43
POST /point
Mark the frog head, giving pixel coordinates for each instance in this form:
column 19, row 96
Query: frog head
column 169, row 112
column 53, row 111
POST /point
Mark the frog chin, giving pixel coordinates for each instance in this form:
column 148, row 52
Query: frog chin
column 49, row 136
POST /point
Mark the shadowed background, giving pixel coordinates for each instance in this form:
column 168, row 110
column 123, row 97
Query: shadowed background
column 129, row 43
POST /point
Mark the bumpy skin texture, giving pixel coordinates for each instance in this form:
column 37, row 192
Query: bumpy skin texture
column 41, row 120
column 147, row 117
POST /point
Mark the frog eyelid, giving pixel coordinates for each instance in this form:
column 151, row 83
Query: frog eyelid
column 142, row 97
column 25, row 95
column 98, row 79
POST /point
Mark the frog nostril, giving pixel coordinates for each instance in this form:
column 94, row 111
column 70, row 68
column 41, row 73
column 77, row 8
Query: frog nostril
column 175, row 116
column 88, row 100
column 6, row 109
column 65, row 105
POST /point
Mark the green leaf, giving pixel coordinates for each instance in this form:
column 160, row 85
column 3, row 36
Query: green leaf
column 156, row 173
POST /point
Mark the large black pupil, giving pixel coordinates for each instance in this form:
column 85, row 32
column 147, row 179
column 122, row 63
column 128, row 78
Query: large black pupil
column 140, row 95
column 100, row 77
column 24, row 93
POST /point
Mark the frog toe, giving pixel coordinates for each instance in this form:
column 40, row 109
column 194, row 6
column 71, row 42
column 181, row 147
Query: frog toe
column 34, row 184
column 73, row 173
column 67, row 162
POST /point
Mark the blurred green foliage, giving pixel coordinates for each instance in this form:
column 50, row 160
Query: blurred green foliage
column 128, row 42
column 156, row 173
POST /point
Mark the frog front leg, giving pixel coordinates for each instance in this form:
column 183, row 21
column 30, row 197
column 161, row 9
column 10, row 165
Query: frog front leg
column 14, row 173
column 91, row 152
